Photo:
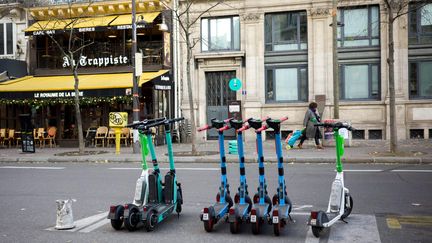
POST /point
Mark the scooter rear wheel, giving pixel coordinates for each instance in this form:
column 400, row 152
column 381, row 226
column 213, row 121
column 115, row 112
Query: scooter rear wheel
column 317, row 231
column 131, row 222
column 276, row 228
column 151, row 221
column 256, row 227
column 117, row 223
column 208, row 225
column 234, row 227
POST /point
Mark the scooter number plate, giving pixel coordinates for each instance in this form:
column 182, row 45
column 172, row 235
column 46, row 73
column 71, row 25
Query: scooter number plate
column 275, row 220
column 253, row 219
column 205, row 216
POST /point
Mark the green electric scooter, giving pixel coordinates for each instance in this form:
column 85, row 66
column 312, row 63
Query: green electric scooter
column 340, row 203
column 161, row 203
column 116, row 212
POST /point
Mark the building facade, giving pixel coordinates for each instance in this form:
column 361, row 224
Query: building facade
column 282, row 53
column 99, row 33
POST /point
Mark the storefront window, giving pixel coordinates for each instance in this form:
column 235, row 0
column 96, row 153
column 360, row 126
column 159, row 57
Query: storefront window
column 360, row 81
column 286, row 84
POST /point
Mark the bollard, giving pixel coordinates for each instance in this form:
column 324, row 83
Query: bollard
column 64, row 215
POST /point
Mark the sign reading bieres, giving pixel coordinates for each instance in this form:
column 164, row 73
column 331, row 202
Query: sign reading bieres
column 98, row 62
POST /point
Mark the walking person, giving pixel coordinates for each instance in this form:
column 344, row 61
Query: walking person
column 311, row 117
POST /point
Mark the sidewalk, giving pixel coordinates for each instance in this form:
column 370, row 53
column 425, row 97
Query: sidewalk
column 412, row 151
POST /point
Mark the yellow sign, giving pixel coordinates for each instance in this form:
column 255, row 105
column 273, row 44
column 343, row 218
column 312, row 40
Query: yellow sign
column 118, row 119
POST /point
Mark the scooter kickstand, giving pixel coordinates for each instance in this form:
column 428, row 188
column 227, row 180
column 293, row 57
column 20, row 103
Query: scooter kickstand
column 343, row 220
column 291, row 219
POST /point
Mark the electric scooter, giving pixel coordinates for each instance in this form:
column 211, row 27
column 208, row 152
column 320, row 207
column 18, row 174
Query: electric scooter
column 262, row 206
column 116, row 213
column 156, row 211
column 281, row 203
column 243, row 204
column 212, row 214
column 340, row 202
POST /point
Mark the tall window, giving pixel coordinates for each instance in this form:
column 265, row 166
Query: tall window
column 220, row 34
column 420, row 79
column 286, row 31
column 6, row 39
column 420, row 24
column 360, row 82
column 361, row 26
column 286, row 84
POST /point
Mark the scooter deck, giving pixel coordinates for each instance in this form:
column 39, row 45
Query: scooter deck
column 220, row 209
column 283, row 210
column 241, row 212
column 162, row 210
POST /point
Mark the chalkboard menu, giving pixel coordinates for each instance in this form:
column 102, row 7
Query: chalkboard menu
column 28, row 143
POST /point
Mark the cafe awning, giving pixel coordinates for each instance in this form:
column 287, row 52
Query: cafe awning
column 86, row 82
column 116, row 21
column 126, row 19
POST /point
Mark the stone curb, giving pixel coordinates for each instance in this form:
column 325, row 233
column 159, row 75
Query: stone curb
column 300, row 160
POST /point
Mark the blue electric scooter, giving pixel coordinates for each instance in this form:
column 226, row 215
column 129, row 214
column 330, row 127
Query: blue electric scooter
column 281, row 203
column 260, row 212
column 243, row 204
column 116, row 213
column 212, row 214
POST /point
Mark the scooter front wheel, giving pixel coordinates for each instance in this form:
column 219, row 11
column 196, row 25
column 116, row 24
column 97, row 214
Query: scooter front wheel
column 348, row 208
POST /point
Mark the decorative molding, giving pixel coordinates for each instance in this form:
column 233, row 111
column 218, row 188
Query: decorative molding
column 319, row 12
column 251, row 17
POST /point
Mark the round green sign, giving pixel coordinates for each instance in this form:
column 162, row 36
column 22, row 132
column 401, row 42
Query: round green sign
column 235, row 84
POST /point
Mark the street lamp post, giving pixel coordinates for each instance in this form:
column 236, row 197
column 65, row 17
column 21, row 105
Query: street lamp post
column 135, row 96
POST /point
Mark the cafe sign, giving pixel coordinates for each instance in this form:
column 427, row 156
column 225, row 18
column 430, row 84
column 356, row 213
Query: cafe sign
column 56, row 94
column 98, row 61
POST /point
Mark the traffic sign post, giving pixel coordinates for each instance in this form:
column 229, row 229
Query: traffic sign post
column 118, row 120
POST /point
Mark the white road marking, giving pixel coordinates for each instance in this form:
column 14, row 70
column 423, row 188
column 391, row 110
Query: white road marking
column 85, row 222
column 32, row 167
column 413, row 171
column 360, row 228
column 363, row 170
column 95, row 226
column 180, row 168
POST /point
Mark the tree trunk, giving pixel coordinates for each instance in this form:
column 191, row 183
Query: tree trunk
column 77, row 110
column 390, row 61
column 189, row 84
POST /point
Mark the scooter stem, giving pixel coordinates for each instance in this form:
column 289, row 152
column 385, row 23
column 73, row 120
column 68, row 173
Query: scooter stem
column 144, row 150
column 339, row 167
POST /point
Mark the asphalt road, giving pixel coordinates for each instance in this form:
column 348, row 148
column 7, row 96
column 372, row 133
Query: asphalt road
column 392, row 203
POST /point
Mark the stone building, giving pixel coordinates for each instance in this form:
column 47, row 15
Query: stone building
column 282, row 53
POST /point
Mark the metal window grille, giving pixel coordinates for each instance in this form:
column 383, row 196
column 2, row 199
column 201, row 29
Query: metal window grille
column 416, row 133
column 358, row 134
column 375, row 134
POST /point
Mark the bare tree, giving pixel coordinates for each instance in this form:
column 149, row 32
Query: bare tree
column 72, row 53
column 186, row 20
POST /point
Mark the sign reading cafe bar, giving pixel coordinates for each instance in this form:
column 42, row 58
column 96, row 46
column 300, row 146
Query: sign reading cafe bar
column 98, row 61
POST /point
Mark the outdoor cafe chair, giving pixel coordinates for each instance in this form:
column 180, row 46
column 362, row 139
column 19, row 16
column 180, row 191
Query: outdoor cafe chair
column 52, row 131
column 2, row 136
column 11, row 137
column 101, row 134
column 110, row 137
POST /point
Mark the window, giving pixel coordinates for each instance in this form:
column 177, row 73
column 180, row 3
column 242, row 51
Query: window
column 420, row 24
column 420, row 79
column 360, row 81
column 358, row 134
column 286, row 31
column 375, row 134
column 361, row 26
column 416, row 133
column 220, row 34
column 6, row 39
column 286, row 84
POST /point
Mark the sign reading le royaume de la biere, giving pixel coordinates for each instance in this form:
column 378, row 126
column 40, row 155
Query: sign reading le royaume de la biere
column 98, row 61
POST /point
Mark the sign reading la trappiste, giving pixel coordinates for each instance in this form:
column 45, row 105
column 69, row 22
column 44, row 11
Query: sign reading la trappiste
column 98, row 61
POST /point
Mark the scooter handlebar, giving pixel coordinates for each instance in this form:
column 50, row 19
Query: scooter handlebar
column 263, row 128
column 176, row 119
column 244, row 128
column 206, row 127
column 336, row 125
column 283, row 119
column 227, row 120
column 145, row 122
column 224, row 128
